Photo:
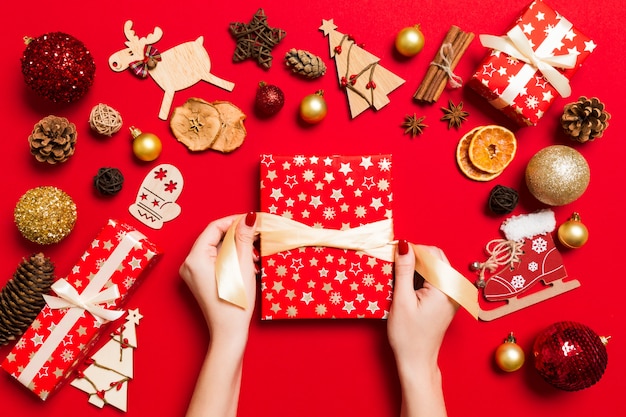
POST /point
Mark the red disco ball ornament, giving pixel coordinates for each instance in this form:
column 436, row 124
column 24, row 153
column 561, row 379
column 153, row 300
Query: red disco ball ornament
column 57, row 66
column 570, row 356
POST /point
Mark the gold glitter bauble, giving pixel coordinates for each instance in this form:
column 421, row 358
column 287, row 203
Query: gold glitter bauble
column 557, row 175
column 45, row 215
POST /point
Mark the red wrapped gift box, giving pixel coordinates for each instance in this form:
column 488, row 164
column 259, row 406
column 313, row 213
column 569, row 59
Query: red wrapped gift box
column 61, row 335
column 335, row 193
column 555, row 49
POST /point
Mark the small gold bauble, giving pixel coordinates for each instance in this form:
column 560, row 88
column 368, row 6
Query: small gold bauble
column 410, row 41
column 146, row 146
column 313, row 108
column 509, row 355
column 573, row 234
column 557, row 175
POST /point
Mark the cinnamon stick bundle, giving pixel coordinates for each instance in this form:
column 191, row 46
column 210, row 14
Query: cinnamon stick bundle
column 454, row 45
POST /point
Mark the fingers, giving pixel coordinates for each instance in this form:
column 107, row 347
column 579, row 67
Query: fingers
column 213, row 234
column 404, row 268
column 245, row 232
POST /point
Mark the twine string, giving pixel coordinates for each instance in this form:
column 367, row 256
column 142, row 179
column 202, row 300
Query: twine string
column 501, row 253
column 454, row 80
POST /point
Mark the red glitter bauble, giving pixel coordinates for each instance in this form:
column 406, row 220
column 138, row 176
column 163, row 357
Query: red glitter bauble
column 570, row 356
column 58, row 66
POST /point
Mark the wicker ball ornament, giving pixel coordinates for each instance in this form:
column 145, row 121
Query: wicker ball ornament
column 570, row 356
column 502, row 200
column 108, row 181
column 105, row 120
column 58, row 67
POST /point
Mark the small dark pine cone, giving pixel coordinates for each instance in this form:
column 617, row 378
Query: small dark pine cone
column 502, row 200
column 21, row 299
column 108, row 181
column 585, row 120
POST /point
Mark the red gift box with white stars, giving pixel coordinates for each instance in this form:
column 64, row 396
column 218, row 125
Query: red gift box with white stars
column 519, row 89
column 60, row 338
column 326, row 192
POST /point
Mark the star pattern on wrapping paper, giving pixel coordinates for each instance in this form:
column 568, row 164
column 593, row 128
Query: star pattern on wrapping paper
column 256, row 39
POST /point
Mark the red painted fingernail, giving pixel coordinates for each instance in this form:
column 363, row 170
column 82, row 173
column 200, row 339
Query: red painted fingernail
column 250, row 219
column 403, row 247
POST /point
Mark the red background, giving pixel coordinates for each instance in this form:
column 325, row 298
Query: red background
column 313, row 368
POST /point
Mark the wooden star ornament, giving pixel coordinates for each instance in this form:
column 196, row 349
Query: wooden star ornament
column 256, row 39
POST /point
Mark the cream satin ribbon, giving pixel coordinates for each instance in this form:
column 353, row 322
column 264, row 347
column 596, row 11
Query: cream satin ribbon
column 542, row 59
column 375, row 239
column 90, row 294
column 68, row 297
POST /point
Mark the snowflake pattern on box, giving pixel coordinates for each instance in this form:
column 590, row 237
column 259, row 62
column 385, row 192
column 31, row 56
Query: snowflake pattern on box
column 499, row 70
column 333, row 192
column 540, row 260
column 70, row 348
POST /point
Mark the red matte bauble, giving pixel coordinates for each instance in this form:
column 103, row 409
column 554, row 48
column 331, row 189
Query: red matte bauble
column 570, row 356
column 58, row 66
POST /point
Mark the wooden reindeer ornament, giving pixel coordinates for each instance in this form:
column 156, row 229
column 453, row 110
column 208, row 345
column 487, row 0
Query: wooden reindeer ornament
column 173, row 70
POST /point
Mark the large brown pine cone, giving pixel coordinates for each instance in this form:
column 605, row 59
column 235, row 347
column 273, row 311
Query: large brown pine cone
column 53, row 140
column 585, row 119
column 21, row 299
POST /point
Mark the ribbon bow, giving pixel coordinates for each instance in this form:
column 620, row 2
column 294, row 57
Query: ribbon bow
column 68, row 297
column 151, row 56
column 542, row 59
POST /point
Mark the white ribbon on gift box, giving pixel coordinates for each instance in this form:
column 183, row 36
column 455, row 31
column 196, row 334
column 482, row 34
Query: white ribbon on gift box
column 541, row 59
column 76, row 308
column 374, row 239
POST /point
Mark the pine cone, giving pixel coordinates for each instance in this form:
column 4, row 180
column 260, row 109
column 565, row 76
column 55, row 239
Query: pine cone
column 585, row 119
column 21, row 298
column 53, row 140
column 305, row 63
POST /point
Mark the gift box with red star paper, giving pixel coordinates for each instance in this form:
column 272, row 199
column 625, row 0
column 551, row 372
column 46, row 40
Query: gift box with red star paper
column 520, row 89
column 334, row 193
column 62, row 334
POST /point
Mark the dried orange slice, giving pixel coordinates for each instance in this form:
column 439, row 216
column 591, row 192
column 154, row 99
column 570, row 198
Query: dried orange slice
column 464, row 162
column 492, row 148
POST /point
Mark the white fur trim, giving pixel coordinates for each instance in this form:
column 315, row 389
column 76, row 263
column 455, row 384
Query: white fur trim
column 525, row 226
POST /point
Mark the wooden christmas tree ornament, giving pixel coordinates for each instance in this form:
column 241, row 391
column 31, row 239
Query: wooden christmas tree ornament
column 367, row 84
column 173, row 70
column 107, row 373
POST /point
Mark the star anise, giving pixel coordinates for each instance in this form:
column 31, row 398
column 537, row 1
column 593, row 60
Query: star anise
column 454, row 115
column 414, row 125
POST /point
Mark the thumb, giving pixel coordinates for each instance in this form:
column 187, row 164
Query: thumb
column 404, row 268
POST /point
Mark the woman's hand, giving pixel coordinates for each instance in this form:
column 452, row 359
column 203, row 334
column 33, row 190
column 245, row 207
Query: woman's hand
column 217, row 388
column 417, row 322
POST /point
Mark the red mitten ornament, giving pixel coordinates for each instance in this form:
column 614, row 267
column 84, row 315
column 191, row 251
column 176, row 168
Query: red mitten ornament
column 58, row 66
column 570, row 356
column 525, row 257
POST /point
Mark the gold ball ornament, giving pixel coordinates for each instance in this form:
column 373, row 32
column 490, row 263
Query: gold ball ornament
column 146, row 146
column 509, row 355
column 45, row 215
column 410, row 41
column 557, row 175
column 573, row 233
column 313, row 108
